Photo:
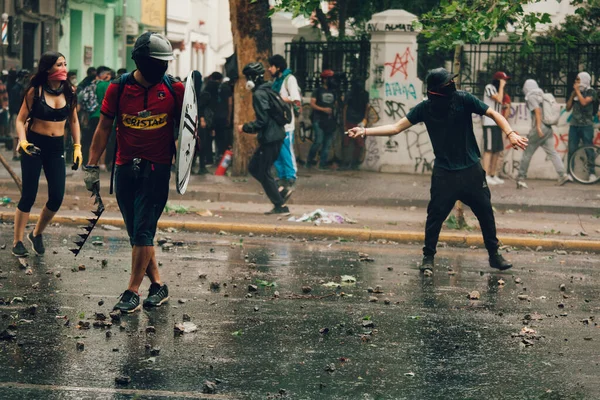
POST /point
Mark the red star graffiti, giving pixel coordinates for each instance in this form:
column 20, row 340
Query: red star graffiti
column 400, row 63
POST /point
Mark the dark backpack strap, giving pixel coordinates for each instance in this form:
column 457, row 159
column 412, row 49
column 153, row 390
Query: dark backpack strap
column 36, row 99
column 122, row 82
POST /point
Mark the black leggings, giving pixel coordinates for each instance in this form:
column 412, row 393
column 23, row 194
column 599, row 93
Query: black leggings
column 52, row 159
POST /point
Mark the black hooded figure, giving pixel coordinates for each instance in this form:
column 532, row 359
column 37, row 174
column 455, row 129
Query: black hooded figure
column 457, row 174
column 270, row 136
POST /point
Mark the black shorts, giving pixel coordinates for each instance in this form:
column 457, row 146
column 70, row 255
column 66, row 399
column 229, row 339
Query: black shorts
column 492, row 139
column 142, row 196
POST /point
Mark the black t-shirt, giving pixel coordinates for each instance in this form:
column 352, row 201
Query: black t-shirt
column 225, row 93
column 325, row 98
column 451, row 135
column 357, row 105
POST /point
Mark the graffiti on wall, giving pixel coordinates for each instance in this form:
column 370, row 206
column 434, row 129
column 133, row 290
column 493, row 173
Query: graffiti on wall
column 400, row 63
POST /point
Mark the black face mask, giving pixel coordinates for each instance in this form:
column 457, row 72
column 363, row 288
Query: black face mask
column 152, row 69
column 444, row 91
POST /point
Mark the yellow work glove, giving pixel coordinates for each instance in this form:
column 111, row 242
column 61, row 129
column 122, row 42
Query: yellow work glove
column 28, row 148
column 77, row 156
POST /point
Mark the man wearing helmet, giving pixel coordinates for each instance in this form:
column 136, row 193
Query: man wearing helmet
column 270, row 136
column 492, row 134
column 146, row 104
column 324, row 123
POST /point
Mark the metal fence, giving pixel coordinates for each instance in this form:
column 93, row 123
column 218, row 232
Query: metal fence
column 555, row 71
column 348, row 59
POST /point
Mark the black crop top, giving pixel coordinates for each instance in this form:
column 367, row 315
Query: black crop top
column 42, row 111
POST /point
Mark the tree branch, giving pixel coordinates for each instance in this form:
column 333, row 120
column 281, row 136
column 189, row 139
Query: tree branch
column 322, row 18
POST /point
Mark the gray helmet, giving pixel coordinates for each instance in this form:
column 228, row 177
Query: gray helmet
column 154, row 45
column 253, row 69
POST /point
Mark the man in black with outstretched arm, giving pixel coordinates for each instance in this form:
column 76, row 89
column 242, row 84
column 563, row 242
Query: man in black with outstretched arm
column 457, row 173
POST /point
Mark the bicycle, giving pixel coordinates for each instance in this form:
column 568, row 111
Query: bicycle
column 584, row 162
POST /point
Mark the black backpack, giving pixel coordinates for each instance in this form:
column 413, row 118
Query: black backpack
column 280, row 111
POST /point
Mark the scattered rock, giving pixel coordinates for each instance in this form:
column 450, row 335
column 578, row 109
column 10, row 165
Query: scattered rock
column 150, row 329
column 390, row 268
column 386, row 301
column 539, row 248
column 306, row 289
column 252, row 288
column 104, row 263
column 80, row 346
column 523, row 297
column 202, row 276
column 186, row 327
column 215, row 285
column 83, row 325
column 256, row 308
column 122, row 380
column 501, row 282
column 518, row 280
column 324, row 331
column 98, row 243
column 154, row 351
column 474, row 295
column 100, row 316
column 562, row 287
column 32, row 309
column 81, row 267
column 186, row 318
column 368, row 324
column 110, row 228
column 108, row 334
column 8, row 334
column 182, row 301
column 330, row 367
column 28, row 271
column 101, row 303
column 209, row 387
column 373, row 299
column 426, row 273
column 561, row 252
column 115, row 315
column 57, row 274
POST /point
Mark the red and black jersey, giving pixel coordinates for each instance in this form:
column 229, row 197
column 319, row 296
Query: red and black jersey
column 146, row 121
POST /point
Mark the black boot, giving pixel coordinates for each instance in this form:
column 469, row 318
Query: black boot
column 427, row 264
column 499, row 262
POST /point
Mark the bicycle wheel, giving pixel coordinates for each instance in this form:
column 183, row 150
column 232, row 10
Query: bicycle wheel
column 584, row 164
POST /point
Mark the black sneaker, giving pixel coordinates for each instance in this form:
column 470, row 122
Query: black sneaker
column 427, row 264
column 157, row 295
column 130, row 302
column 286, row 193
column 19, row 250
column 281, row 210
column 37, row 243
column 499, row 262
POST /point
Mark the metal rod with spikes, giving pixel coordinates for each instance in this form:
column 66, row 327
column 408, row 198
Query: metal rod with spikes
column 92, row 222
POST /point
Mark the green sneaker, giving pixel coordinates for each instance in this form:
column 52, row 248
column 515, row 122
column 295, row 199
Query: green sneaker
column 157, row 295
column 130, row 302
column 19, row 250
column 37, row 243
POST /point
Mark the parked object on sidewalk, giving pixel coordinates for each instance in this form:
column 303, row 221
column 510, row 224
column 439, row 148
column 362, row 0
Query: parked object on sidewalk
column 224, row 163
column 320, row 216
column 188, row 129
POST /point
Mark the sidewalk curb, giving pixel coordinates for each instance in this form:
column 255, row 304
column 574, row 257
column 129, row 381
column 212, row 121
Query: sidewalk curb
column 460, row 239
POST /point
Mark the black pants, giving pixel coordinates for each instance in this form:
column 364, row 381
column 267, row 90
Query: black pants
column 142, row 191
column 470, row 187
column 223, row 137
column 260, row 167
column 52, row 160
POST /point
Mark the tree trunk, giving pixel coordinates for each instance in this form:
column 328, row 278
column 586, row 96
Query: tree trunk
column 252, row 41
column 460, row 212
column 322, row 18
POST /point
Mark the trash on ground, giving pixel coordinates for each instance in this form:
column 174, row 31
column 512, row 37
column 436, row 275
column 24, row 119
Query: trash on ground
column 320, row 216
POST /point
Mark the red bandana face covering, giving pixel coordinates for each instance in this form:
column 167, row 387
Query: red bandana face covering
column 59, row 75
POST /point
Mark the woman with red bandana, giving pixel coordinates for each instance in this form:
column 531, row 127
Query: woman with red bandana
column 49, row 102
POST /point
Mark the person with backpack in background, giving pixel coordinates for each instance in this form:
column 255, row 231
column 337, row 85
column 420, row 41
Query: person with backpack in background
column 356, row 112
column 492, row 135
column 4, row 118
column 544, row 113
column 324, row 121
column 147, row 106
column 90, row 76
column 15, row 99
column 49, row 104
column 286, row 84
column 583, row 103
column 269, row 133
column 93, row 95
column 207, row 100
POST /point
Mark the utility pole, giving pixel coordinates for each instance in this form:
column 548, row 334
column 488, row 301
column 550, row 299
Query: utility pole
column 124, row 29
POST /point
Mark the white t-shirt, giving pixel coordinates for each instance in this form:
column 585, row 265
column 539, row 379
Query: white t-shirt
column 490, row 90
column 290, row 90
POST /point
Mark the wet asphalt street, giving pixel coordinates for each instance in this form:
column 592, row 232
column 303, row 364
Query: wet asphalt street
column 294, row 334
